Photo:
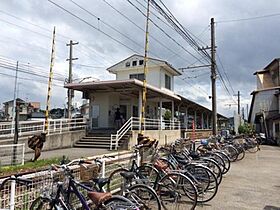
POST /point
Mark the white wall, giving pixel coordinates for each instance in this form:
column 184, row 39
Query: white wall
column 102, row 100
column 152, row 76
column 264, row 100
column 108, row 104
column 155, row 76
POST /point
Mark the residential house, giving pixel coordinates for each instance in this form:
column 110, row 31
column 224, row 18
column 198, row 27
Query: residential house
column 9, row 108
column 265, row 111
column 26, row 108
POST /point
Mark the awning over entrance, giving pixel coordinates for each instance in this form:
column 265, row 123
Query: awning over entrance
column 182, row 108
column 129, row 87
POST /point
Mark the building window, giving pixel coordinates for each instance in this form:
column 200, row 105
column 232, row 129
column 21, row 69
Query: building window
column 167, row 82
column 141, row 62
column 127, row 64
column 137, row 76
column 134, row 63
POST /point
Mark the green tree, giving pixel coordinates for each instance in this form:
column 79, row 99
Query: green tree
column 245, row 128
column 167, row 115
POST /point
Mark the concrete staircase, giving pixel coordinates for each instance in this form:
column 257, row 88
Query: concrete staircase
column 101, row 139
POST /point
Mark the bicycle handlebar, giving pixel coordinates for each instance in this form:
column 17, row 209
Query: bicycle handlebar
column 19, row 180
column 56, row 167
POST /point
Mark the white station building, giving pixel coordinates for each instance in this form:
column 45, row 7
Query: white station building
column 125, row 94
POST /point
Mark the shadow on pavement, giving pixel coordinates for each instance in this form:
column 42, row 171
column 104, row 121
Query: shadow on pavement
column 271, row 208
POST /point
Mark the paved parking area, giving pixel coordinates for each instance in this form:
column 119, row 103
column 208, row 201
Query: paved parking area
column 252, row 183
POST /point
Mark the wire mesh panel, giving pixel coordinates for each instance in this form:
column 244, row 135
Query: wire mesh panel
column 12, row 154
column 45, row 182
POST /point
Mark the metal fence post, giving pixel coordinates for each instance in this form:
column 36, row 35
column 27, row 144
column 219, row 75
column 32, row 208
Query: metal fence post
column 43, row 127
column 13, row 192
column 23, row 151
column 103, row 169
column 144, row 124
column 54, row 125
column 138, row 158
column 60, row 126
column 12, row 128
column 48, row 131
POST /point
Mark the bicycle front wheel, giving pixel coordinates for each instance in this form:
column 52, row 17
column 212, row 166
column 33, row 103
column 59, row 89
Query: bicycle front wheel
column 116, row 181
column 42, row 203
column 143, row 196
column 177, row 191
column 117, row 202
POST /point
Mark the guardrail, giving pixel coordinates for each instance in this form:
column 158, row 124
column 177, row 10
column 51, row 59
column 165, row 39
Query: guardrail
column 42, row 181
column 31, row 127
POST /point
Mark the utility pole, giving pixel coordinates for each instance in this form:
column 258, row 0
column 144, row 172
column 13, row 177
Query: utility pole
column 238, row 101
column 14, row 102
column 213, row 78
column 17, row 107
column 144, row 93
column 70, row 92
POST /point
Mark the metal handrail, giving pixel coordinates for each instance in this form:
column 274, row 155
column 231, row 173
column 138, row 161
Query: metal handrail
column 134, row 121
column 56, row 125
column 120, row 133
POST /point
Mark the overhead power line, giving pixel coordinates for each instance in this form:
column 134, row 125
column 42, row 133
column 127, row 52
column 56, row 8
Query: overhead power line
column 249, row 18
column 89, row 66
column 21, row 69
column 92, row 26
column 136, row 25
column 30, row 79
column 93, row 51
column 225, row 73
column 163, row 31
column 107, row 24
column 29, row 67
column 182, row 31
column 200, row 90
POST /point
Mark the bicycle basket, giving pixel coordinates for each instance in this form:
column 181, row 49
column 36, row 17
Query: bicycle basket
column 88, row 172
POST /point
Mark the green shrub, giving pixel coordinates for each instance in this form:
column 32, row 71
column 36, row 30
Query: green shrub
column 245, row 128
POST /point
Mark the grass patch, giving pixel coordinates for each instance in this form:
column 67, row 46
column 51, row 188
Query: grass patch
column 29, row 166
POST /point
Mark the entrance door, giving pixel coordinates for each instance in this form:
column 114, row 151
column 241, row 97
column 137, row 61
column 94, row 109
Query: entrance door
column 123, row 111
column 95, row 116
column 135, row 111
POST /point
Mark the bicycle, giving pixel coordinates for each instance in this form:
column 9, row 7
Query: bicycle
column 174, row 189
column 141, row 195
column 62, row 198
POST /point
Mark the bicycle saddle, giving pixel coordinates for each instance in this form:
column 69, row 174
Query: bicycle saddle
column 128, row 175
column 98, row 197
column 183, row 162
column 160, row 165
column 195, row 155
column 101, row 182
